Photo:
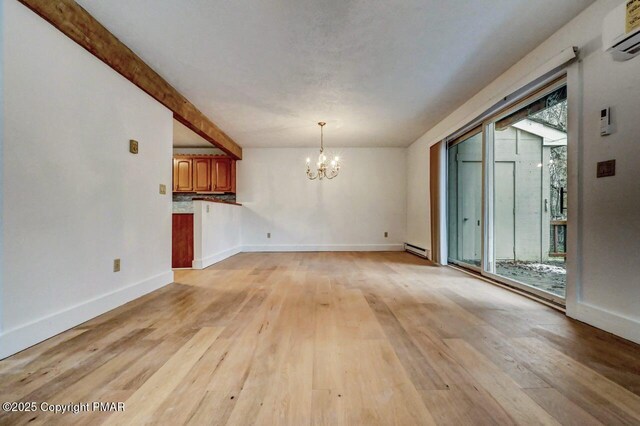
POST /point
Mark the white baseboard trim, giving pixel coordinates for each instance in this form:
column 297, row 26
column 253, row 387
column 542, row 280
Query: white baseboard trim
column 208, row 261
column 323, row 247
column 24, row 336
column 619, row 325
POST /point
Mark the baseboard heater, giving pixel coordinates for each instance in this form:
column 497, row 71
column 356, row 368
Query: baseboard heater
column 419, row 251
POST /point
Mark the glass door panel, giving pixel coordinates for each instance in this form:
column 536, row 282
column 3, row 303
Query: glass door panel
column 465, row 201
column 528, row 180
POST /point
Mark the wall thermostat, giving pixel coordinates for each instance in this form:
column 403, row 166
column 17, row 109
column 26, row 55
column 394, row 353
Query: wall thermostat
column 605, row 122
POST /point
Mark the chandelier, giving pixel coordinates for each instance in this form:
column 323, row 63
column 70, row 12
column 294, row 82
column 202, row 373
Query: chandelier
column 325, row 170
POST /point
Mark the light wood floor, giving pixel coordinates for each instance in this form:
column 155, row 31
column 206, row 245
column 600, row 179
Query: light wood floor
column 331, row 338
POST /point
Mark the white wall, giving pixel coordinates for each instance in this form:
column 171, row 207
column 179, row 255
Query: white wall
column 216, row 229
column 610, row 207
column 74, row 197
column 350, row 212
column 607, row 289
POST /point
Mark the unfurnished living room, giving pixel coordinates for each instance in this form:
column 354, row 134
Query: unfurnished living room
column 329, row 212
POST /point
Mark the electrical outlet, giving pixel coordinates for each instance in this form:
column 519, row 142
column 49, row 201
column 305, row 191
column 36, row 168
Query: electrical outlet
column 386, row 234
column 116, row 265
column 133, row 146
column 268, row 234
column 207, row 208
column 163, row 188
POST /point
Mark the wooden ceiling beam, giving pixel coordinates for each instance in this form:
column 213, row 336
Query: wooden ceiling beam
column 76, row 23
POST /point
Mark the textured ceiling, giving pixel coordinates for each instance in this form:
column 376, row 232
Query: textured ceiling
column 380, row 73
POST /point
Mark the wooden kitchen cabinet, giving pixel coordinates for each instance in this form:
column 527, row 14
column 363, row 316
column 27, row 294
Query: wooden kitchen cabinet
column 222, row 175
column 182, row 241
column 182, row 174
column 202, row 175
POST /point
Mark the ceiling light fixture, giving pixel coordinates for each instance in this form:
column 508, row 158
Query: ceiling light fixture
column 324, row 171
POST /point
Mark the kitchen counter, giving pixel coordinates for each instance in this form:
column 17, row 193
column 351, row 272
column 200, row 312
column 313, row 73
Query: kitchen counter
column 185, row 205
column 215, row 200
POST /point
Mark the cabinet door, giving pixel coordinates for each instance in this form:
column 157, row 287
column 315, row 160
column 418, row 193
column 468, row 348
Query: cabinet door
column 222, row 174
column 182, row 174
column 202, row 174
column 182, row 241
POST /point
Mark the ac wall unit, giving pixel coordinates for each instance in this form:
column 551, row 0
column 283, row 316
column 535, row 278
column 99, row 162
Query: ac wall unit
column 621, row 44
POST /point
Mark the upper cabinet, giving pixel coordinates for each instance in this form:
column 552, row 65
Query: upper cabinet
column 204, row 173
column 182, row 174
column 222, row 180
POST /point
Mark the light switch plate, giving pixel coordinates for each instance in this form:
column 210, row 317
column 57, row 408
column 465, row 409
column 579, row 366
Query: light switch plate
column 116, row 265
column 163, row 188
column 133, row 146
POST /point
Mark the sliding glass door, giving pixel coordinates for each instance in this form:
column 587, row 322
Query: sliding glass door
column 465, row 200
column 507, row 186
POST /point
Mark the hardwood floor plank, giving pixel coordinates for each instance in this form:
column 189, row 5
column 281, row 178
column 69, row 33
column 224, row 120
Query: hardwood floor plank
column 603, row 352
column 423, row 375
column 624, row 401
column 465, row 404
column 520, row 407
column 561, row 408
column 159, row 387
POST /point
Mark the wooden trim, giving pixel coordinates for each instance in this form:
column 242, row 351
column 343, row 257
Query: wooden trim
column 466, row 135
column 77, row 24
column 200, row 156
column 536, row 94
column 435, row 198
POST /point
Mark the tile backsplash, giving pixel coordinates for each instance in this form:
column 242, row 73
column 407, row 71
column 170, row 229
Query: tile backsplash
column 183, row 201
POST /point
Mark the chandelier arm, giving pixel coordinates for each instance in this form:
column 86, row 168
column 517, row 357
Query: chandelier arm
column 333, row 174
column 311, row 176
